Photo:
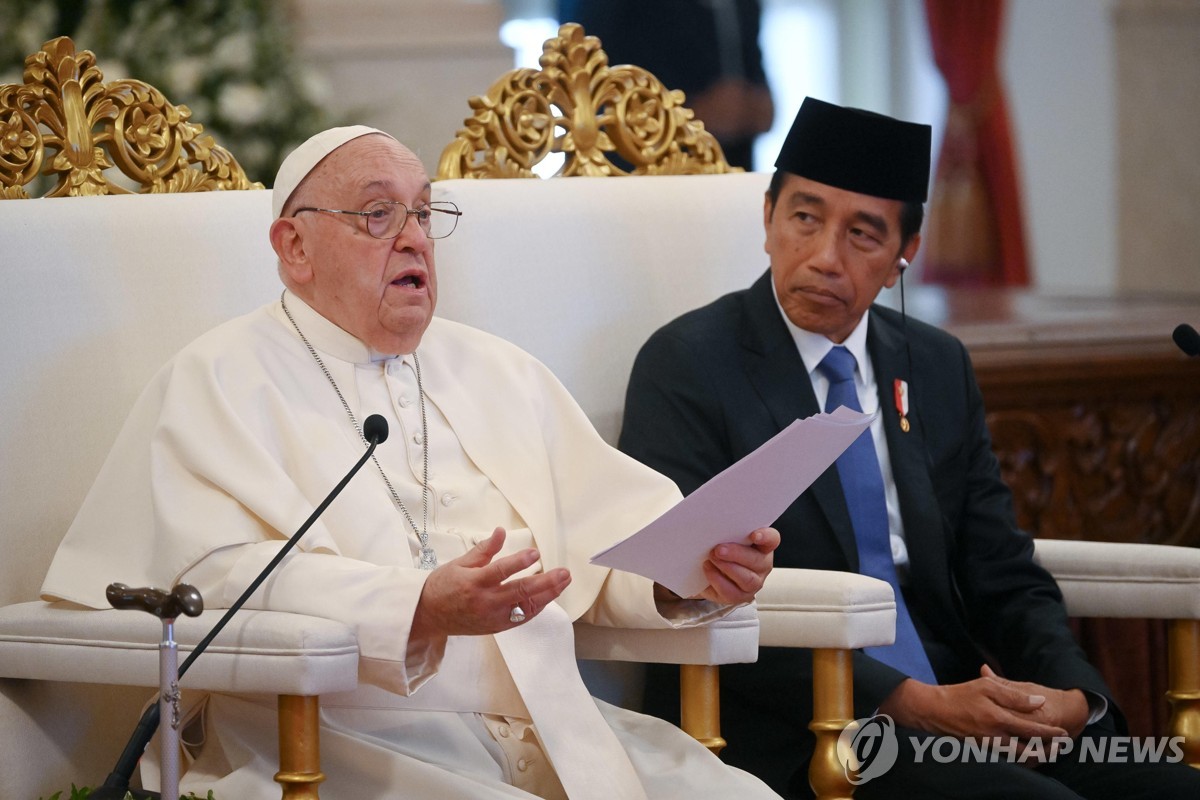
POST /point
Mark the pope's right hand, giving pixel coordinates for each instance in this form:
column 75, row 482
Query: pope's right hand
column 472, row 595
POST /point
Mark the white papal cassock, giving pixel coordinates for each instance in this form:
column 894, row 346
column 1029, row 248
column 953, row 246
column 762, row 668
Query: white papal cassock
column 238, row 438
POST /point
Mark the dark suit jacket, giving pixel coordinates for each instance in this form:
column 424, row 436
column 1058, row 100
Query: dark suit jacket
column 676, row 40
column 716, row 383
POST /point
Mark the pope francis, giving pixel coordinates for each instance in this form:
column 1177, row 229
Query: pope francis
column 459, row 557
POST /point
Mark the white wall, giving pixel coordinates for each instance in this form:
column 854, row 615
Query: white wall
column 1158, row 137
column 407, row 68
column 1060, row 75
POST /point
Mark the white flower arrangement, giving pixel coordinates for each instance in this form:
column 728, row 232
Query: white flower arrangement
column 230, row 61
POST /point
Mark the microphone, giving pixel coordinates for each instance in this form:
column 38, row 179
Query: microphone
column 375, row 428
column 116, row 785
column 1188, row 340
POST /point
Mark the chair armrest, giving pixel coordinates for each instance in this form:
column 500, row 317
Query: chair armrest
column 259, row 651
column 1113, row 579
column 730, row 640
column 819, row 608
column 796, row 608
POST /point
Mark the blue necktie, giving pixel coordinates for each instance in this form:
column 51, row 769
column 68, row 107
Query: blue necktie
column 862, row 482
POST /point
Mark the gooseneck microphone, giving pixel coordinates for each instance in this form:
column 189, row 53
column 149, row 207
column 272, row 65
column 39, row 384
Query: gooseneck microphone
column 1188, row 340
column 375, row 431
column 116, row 785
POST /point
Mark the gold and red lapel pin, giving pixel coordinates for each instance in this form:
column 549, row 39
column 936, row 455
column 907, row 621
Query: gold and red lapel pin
column 900, row 391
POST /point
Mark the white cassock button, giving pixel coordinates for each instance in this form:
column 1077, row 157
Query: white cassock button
column 455, row 532
column 522, row 764
column 502, row 731
column 404, row 401
column 417, row 438
column 448, row 499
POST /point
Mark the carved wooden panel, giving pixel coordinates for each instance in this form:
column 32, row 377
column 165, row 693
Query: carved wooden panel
column 1094, row 413
column 1114, row 469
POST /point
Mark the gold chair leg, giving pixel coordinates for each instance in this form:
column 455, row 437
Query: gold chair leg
column 833, row 710
column 1183, row 651
column 700, row 704
column 299, row 747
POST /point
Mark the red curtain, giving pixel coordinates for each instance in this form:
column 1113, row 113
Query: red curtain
column 974, row 236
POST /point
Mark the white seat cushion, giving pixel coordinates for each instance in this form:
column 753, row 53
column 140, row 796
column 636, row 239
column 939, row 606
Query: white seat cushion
column 823, row 608
column 731, row 640
column 259, row 651
column 1112, row 579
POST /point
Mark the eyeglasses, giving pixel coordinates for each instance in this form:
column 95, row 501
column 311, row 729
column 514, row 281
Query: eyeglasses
column 385, row 219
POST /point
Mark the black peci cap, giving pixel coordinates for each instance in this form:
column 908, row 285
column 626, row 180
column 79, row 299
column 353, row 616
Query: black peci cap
column 859, row 151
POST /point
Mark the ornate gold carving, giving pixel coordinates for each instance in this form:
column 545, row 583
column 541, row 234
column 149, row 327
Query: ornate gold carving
column 66, row 121
column 579, row 106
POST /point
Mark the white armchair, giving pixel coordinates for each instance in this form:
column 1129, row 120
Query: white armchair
column 87, row 323
column 101, row 291
column 581, row 270
column 1141, row 581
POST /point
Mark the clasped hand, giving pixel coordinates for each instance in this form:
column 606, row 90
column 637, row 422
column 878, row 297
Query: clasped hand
column 989, row 706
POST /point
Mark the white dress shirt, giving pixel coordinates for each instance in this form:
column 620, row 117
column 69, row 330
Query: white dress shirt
column 813, row 348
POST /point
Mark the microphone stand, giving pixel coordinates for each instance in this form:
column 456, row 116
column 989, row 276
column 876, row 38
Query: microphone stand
column 116, row 785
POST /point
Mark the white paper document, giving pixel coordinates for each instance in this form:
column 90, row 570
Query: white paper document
column 750, row 494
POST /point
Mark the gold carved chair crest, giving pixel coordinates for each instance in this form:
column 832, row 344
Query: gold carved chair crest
column 578, row 105
column 66, row 121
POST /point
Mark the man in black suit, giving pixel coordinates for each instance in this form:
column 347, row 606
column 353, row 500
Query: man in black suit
column 983, row 648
